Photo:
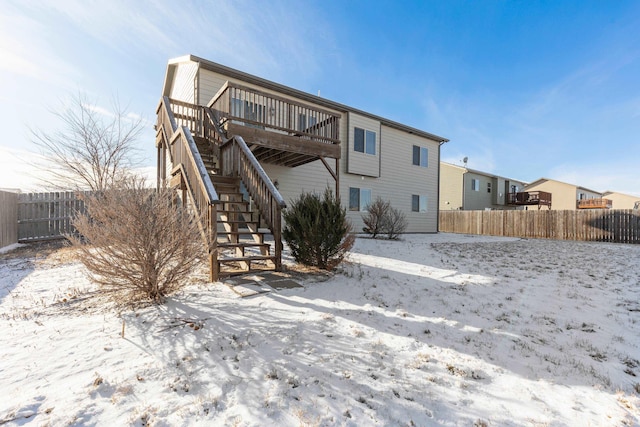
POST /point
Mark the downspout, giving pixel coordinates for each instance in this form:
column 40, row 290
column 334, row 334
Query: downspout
column 438, row 188
column 464, row 187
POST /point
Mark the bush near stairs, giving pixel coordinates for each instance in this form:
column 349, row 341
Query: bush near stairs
column 317, row 230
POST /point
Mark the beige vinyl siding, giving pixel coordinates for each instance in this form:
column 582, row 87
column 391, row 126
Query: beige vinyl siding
column 310, row 178
column 620, row 200
column 183, row 87
column 481, row 199
column 209, row 83
column 363, row 163
column 563, row 196
column 451, row 178
column 399, row 180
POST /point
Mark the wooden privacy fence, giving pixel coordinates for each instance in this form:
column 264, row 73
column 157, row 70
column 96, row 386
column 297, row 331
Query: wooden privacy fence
column 8, row 218
column 46, row 216
column 599, row 225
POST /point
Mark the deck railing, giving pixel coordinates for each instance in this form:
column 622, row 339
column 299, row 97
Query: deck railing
column 259, row 109
column 540, row 198
column 187, row 161
column 238, row 160
column 594, row 204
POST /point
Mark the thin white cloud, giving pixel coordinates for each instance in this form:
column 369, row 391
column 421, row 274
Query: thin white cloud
column 600, row 175
column 26, row 51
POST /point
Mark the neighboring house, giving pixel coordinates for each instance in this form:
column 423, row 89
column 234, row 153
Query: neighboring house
column 566, row 196
column 621, row 200
column 304, row 143
column 467, row 189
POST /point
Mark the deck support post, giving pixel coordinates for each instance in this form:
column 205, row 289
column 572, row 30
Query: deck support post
column 334, row 174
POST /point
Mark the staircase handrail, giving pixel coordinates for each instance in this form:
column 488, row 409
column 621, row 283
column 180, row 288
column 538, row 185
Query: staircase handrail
column 273, row 191
column 187, row 161
column 212, row 123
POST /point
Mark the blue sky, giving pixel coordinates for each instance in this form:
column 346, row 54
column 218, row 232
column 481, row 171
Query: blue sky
column 523, row 89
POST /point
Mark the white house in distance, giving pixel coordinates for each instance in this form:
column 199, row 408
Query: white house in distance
column 304, row 143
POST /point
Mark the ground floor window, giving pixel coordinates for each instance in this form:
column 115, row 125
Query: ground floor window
column 419, row 203
column 359, row 199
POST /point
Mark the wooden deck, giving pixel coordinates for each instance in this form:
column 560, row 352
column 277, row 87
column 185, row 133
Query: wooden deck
column 594, row 204
column 530, row 198
column 278, row 130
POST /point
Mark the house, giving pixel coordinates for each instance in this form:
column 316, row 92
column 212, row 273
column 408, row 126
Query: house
column 621, row 200
column 240, row 147
column 564, row 196
column 467, row 189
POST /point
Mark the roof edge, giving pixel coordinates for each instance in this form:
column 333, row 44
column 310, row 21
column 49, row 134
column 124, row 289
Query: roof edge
column 250, row 78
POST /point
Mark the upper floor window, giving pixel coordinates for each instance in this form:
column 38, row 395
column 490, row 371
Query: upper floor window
column 488, row 187
column 420, row 156
column 364, row 141
column 475, row 184
column 359, row 199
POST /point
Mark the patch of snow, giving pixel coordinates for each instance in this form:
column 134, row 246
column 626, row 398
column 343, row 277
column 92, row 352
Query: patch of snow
column 442, row 329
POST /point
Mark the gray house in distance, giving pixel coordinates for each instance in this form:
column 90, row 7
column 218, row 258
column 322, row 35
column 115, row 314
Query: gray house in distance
column 467, row 189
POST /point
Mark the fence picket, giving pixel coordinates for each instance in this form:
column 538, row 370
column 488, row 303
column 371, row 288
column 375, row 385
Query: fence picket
column 46, row 216
column 604, row 225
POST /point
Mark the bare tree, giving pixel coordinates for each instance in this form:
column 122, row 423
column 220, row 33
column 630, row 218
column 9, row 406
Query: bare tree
column 142, row 244
column 94, row 150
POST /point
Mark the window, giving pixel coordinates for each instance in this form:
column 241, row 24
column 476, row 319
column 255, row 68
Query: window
column 475, row 184
column 488, row 187
column 305, row 123
column 364, row 141
column 420, row 156
column 418, row 203
column 359, row 199
column 249, row 111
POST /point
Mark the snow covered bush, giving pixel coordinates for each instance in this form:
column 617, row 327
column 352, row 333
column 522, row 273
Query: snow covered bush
column 137, row 243
column 382, row 218
column 317, row 230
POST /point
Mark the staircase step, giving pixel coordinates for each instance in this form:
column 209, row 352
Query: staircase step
column 230, row 193
column 238, row 221
column 250, row 258
column 226, row 245
column 230, row 212
column 235, row 202
column 224, row 179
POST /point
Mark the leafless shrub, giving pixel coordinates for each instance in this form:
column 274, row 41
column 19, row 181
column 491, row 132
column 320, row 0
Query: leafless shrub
column 137, row 244
column 382, row 218
column 374, row 219
column 395, row 223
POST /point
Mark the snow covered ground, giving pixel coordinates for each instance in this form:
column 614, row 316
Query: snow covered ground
column 444, row 329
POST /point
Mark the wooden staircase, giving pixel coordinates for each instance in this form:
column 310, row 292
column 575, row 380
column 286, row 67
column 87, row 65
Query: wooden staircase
column 240, row 239
column 212, row 172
